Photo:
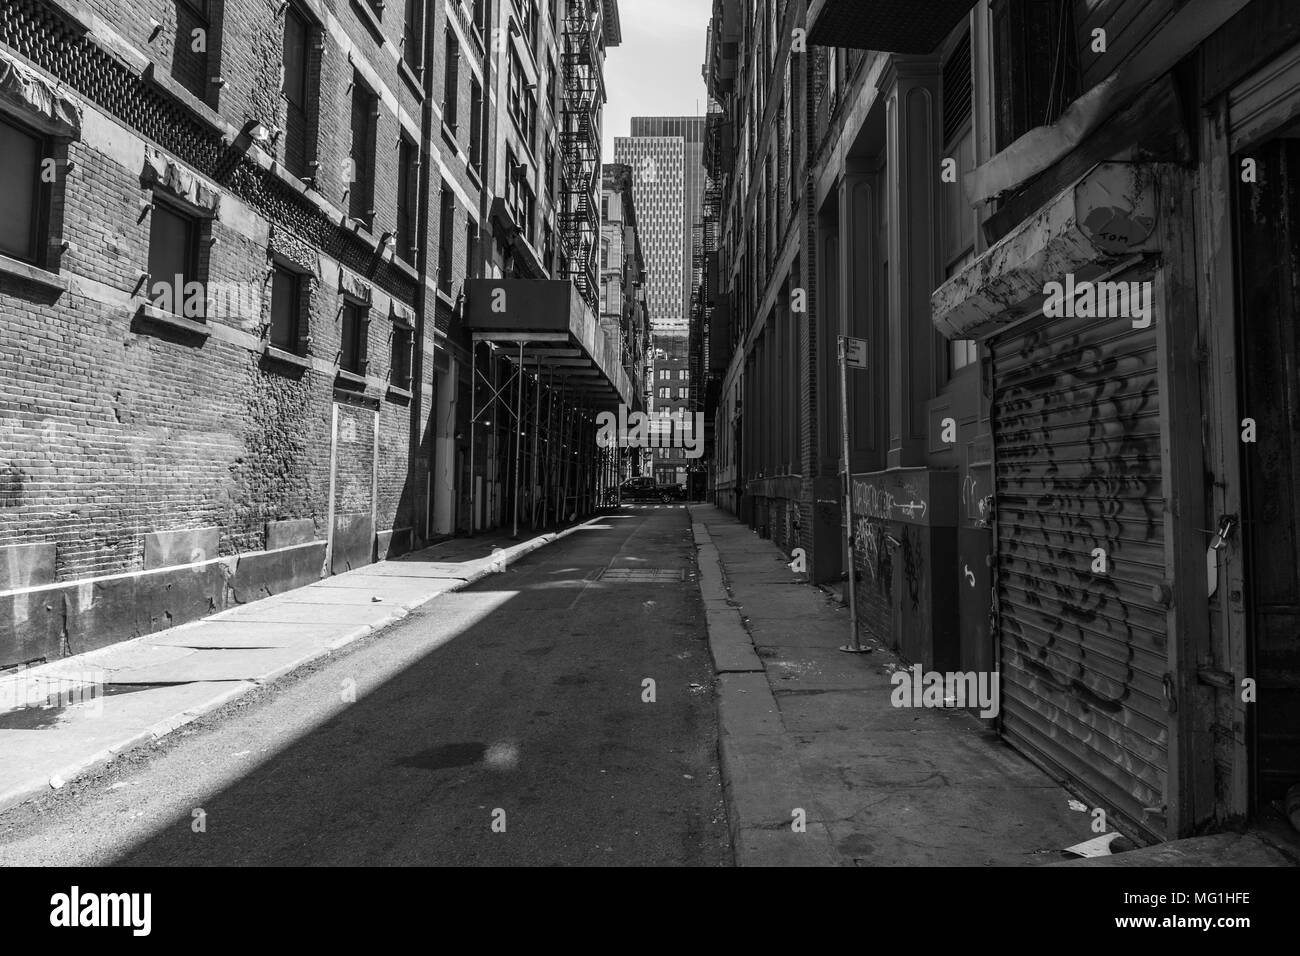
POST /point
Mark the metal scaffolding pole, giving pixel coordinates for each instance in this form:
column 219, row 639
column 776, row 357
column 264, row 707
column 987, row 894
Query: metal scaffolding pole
column 519, row 430
column 566, row 459
column 537, row 435
column 473, row 422
column 494, row 453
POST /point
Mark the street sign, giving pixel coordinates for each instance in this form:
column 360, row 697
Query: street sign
column 855, row 352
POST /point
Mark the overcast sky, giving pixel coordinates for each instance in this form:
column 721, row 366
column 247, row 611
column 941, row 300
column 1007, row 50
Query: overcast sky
column 656, row 70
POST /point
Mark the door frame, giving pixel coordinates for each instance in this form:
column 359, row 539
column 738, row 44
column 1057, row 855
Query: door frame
column 1247, row 114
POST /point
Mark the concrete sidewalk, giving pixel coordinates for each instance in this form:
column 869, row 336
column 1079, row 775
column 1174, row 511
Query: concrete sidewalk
column 62, row 718
column 807, row 727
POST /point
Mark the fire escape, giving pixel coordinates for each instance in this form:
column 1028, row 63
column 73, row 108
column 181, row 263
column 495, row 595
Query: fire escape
column 580, row 148
column 708, row 377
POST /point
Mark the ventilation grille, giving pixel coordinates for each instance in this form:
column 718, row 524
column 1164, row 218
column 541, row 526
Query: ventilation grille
column 956, row 90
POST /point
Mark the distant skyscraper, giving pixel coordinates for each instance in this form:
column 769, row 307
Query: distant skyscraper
column 666, row 154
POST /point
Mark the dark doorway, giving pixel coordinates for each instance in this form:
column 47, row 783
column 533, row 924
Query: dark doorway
column 1268, row 262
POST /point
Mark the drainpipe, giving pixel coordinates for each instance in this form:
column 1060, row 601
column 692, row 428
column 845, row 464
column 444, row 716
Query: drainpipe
column 424, row 157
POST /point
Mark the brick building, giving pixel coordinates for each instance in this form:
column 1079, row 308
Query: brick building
column 623, row 310
column 669, row 371
column 233, row 278
column 1037, row 483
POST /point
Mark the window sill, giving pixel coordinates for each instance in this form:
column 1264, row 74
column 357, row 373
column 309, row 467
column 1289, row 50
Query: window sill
column 447, row 299
column 287, row 358
column 403, row 395
column 25, row 270
column 449, row 134
column 474, row 176
column 351, row 380
column 370, row 19
column 156, row 316
column 412, row 78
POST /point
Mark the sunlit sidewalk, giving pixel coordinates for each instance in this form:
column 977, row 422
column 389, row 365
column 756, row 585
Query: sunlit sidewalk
column 60, row 719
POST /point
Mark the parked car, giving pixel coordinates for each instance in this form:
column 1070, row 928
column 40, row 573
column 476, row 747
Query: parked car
column 647, row 489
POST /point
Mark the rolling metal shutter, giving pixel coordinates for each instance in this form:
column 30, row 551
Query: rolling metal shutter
column 1078, row 467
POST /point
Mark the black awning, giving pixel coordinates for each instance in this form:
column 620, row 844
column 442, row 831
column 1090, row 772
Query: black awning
column 890, row 26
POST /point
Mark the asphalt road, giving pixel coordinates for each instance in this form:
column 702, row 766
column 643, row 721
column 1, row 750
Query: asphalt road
column 517, row 702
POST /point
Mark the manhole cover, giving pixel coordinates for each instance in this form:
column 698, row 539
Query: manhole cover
column 644, row 575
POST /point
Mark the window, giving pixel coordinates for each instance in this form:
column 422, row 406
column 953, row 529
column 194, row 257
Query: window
column 296, row 89
column 665, row 393
column 1035, row 65
column 550, row 171
column 451, row 81
column 478, row 16
column 286, row 309
column 22, row 203
column 365, row 111
column 664, row 374
column 527, row 13
column 476, row 126
column 522, row 103
column 604, row 208
column 411, row 24
column 520, row 199
column 683, row 375
column 352, row 345
column 407, row 193
column 682, row 392
column 173, row 259
column 961, row 353
column 401, row 364
column 527, row 207
column 552, row 85
column 471, row 248
column 190, row 60
column 446, row 223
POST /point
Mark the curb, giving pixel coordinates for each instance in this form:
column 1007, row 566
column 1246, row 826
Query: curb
column 753, row 843
column 507, row 556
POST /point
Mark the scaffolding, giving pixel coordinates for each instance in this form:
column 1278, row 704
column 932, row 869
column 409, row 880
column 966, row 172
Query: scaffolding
column 584, row 96
column 533, row 432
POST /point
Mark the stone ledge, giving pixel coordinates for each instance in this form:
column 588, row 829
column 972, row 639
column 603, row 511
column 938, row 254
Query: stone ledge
column 31, row 273
column 155, row 316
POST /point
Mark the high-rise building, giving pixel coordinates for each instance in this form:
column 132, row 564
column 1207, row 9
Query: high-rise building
column 666, row 156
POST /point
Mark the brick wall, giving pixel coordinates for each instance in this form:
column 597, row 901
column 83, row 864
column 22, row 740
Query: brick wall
column 112, row 427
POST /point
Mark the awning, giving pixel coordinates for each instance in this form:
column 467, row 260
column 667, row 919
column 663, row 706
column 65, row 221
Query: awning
column 559, row 334
column 890, row 26
column 1108, row 215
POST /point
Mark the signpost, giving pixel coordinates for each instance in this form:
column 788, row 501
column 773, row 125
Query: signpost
column 853, row 352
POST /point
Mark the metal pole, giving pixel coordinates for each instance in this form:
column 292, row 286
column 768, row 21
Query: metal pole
column 473, row 424
column 494, row 455
column 853, row 647
column 537, row 435
column 519, row 429
column 548, row 470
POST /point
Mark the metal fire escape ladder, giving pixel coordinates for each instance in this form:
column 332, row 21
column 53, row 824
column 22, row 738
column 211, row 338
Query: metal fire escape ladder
column 580, row 148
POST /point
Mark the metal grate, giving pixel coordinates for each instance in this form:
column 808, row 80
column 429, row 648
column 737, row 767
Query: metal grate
column 956, row 89
column 644, row 575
